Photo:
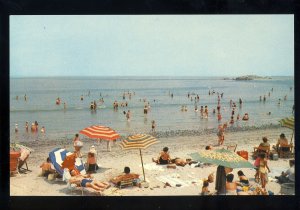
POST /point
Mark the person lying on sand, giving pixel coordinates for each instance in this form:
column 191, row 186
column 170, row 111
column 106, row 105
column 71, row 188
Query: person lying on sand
column 85, row 180
column 181, row 161
column 163, row 158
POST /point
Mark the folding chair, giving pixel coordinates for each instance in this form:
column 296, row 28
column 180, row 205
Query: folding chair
column 126, row 183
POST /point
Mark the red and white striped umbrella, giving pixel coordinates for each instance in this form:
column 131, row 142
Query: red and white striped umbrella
column 100, row 132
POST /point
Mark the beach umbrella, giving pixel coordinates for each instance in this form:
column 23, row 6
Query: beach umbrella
column 58, row 157
column 17, row 146
column 288, row 122
column 221, row 157
column 138, row 141
column 100, row 132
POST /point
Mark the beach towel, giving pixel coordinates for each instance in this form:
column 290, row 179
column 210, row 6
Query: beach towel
column 154, row 167
column 58, row 155
column 173, row 180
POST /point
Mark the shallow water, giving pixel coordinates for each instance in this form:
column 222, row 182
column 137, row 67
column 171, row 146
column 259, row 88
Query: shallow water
column 59, row 123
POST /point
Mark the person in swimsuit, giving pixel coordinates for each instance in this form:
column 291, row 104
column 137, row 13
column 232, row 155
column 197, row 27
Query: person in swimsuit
column 87, row 181
column 282, row 142
column 230, row 185
column 243, row 179
column 263, row 167
column 164, row 157
column 125, row 176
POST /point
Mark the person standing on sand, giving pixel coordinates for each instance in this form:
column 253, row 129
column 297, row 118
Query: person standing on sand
column 262, row 169
column 76, row 138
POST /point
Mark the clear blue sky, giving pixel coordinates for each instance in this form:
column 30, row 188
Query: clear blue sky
column 153, row 45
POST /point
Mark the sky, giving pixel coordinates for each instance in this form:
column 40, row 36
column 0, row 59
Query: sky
column 151, row 45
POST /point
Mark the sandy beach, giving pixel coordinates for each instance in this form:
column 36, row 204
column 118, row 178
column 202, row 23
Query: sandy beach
column 112, row 164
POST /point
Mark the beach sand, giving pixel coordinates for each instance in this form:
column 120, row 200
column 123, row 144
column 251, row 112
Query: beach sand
column 112, row 164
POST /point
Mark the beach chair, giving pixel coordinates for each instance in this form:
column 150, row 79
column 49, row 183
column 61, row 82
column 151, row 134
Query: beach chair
column 232, row 147
column 285, row 151
column 261, row 149
column 126, row 183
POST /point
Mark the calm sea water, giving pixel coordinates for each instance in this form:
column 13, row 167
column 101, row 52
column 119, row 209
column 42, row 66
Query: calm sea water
column 59, row 123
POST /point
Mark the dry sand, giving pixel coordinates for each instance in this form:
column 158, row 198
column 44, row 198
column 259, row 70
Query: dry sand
column 112, row 163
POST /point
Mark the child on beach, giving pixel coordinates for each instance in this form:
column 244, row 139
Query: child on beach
column 46, row 168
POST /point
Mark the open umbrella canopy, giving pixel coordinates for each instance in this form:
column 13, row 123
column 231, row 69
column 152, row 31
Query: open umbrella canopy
column 221, row 157
column 288, row 122
column 61, row 158
column 100, row 132
column 138, row 141
column 17, row 146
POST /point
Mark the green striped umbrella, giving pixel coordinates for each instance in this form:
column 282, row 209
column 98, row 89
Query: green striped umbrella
column 221, row 157
column 288, row 122
column 138, row 141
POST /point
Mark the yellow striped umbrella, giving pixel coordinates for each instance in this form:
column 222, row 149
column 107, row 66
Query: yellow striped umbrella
column 100, row 132
column 288, row 122
column 138, row 141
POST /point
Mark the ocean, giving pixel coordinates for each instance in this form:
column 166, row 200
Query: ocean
column 62, row 123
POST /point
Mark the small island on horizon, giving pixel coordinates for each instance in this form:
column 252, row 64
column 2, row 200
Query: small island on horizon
column 251, row 77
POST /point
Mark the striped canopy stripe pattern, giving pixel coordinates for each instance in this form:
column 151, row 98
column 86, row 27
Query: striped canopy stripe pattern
column 138, row 141
column 288, row 122
column 57, row 156
column 100, row 132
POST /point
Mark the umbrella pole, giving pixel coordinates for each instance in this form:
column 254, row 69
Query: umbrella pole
column 142, row 164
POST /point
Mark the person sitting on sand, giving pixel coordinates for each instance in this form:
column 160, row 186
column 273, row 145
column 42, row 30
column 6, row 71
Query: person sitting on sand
column 125, row 176
column 245, row 117
column 282, row 142
column 289, row 175
column 205, row 190
column 243, row 179
column 84, row 180
column 46, row 168
column 164, row 157
column 231, row 186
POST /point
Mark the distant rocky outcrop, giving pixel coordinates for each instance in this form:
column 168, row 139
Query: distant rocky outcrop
column 251, row 77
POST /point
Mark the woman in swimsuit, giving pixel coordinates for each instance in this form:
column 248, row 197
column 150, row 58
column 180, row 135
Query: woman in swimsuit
column 243, row 179
column 263, row 166
column 87, row 181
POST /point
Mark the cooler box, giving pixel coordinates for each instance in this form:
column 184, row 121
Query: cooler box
column 13, row 160
column 243, row 154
